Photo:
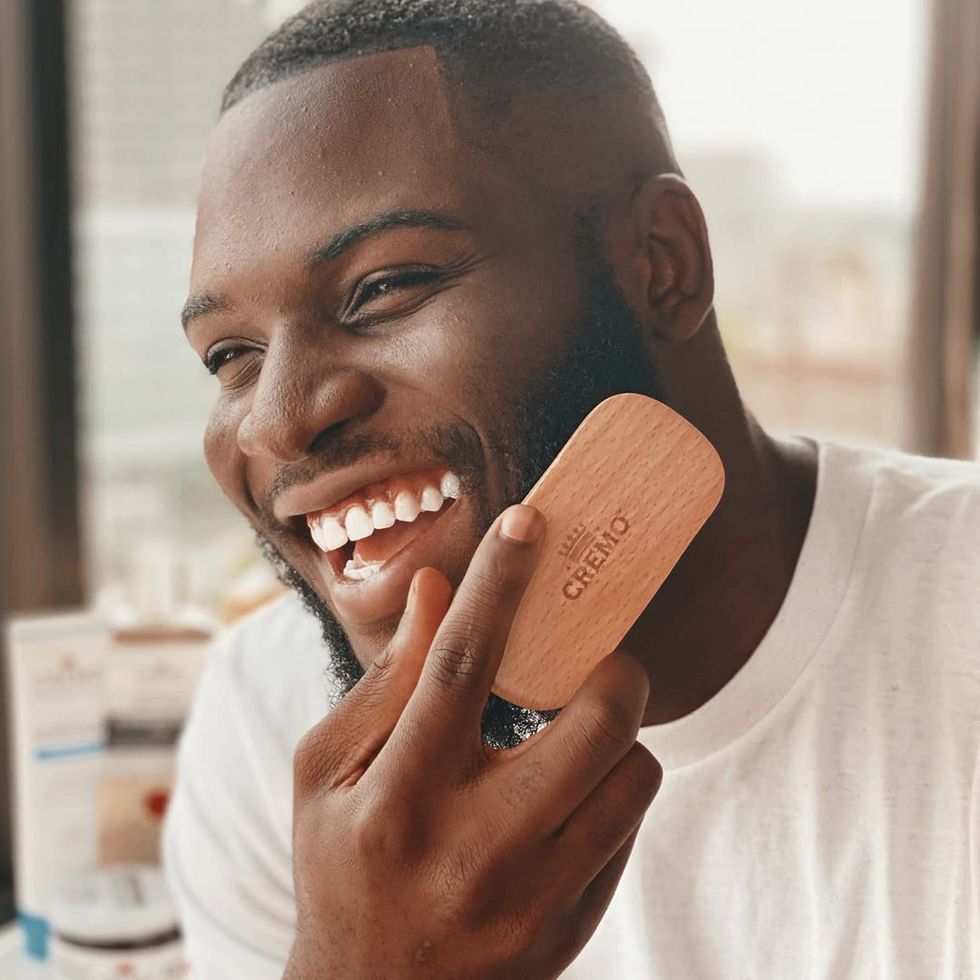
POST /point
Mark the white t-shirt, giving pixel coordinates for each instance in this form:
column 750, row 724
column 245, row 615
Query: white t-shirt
column 819, row 817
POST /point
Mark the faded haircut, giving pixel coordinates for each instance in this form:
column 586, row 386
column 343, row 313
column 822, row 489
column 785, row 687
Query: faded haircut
column 493, row 50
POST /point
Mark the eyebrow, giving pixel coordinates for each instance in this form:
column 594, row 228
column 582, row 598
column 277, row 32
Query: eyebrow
column 200, row 305
column 334, row 247
column 379, row 223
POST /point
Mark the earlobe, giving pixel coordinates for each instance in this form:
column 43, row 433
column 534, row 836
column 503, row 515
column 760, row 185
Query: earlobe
column 675, row 258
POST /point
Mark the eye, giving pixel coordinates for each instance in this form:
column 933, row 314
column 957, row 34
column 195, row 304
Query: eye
column 219, row 357
column 380, row 287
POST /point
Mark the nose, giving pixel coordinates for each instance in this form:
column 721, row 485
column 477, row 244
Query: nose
column 298, row 398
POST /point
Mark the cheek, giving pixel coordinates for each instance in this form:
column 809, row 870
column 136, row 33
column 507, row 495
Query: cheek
column 490, row 356
column 221, row 451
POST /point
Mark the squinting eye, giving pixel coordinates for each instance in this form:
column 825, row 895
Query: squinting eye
column 385, row 285
column 217, row 358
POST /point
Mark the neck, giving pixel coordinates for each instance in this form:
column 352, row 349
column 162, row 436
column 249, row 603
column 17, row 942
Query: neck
column 716, row 606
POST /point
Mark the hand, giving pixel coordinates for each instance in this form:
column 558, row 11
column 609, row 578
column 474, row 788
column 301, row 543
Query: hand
column 421, row 852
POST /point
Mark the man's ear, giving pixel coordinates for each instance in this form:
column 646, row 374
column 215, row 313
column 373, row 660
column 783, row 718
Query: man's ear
column 673, row 280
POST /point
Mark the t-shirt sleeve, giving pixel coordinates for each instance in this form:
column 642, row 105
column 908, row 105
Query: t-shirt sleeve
column 226, row 838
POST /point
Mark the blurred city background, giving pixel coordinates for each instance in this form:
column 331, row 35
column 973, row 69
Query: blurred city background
column 800, row 128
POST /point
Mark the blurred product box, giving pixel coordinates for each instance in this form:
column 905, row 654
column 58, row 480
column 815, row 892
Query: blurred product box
column 96, row 713
column 151, row 675
column 56, row 682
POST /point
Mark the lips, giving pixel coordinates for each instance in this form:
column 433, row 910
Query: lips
column 365, row 530
column 442, row 539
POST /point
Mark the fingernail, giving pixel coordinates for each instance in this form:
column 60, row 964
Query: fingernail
column 521, row 524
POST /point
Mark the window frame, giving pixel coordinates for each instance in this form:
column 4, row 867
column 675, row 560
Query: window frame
column 39, row 509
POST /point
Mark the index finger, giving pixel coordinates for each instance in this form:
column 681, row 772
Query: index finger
column 448, row 701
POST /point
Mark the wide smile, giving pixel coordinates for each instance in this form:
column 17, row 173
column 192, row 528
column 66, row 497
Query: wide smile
column 368, row 546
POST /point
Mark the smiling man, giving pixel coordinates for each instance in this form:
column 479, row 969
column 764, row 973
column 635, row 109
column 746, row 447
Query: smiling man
column 431, row 237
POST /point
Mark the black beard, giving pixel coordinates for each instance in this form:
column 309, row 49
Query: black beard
column 607, row 357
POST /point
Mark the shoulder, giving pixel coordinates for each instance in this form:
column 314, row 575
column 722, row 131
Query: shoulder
column 228, row 827
column 914, row 583
column 264, row 686
column 917, row 504
column 274, row 663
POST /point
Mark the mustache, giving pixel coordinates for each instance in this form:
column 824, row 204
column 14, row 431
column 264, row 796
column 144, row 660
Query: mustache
column 457, row 446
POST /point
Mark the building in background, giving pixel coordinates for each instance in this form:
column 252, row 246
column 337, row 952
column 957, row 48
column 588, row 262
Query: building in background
column 146, row 86
column 812, row 291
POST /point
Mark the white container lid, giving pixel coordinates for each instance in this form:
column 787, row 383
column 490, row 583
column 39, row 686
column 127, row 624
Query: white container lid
column 126, row 903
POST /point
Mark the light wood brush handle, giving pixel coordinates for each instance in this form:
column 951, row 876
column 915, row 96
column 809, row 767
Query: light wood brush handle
column 623, row 499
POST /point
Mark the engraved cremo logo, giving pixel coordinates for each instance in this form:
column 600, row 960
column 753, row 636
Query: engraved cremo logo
column 586, row 550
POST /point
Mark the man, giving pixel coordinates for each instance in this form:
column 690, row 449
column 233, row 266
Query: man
column 432, row 236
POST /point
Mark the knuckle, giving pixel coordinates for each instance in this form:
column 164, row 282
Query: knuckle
column 374, row 688
column 496, row 578
column 568, row 941
column 643, row 774
column 514, row 935
column 371, row 836
column 383, row 835
column 382, row 667
column 608, row 728
column 461, row 883
column 313, row 758
column 610, row 830
column 454, row 657
column 528, row 784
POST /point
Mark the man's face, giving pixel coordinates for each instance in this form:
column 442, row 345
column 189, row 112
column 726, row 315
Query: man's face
column 386, row 310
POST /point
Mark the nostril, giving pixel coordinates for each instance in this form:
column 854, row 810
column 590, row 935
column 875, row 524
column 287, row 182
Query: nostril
column 326, row 435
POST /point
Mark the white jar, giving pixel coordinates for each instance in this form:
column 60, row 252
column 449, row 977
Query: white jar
column 116, row 922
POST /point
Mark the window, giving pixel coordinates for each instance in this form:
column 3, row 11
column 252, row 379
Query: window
column 147, row 81
column 797, row 125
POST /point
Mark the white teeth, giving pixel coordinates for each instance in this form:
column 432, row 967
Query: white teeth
column 382, row 515
column 449, row 485
column 317, row 535
column 431, row 499
column 328, row 534
column 361, row 573
column 407, row 506
column 358, row 524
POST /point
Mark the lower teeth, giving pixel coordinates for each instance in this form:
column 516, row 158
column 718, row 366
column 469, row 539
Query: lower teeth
column 359, row 572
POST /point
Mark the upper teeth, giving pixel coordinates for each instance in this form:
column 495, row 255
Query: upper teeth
column 382, row 515
column 407, row 506
column 432, row 499
column 358, row 525
column 329, row 534
column 332, row 532
column 449, row 485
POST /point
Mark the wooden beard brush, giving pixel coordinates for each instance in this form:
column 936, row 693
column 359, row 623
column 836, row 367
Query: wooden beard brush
column 623, row 499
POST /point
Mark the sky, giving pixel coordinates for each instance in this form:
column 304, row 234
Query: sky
column 830, row 93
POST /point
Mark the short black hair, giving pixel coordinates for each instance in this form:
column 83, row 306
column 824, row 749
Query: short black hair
column 495, row 49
